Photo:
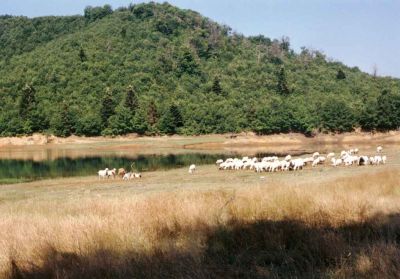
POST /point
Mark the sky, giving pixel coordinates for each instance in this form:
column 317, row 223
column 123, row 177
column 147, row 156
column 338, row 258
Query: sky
column 360, row 33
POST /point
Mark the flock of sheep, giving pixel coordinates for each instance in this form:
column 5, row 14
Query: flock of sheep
column 272, row 163
column 106, row 173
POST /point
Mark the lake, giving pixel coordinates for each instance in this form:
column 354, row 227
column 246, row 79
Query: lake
column 27, row 163
column 28, row 169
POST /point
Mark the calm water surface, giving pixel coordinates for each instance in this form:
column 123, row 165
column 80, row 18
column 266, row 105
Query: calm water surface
column 17, row 165
column 28, row 169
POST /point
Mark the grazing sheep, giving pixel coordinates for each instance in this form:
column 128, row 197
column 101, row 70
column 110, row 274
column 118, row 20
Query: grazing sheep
column 336, row 162
column 103, row 173
column 343, row 154
column 378, row 160
column 308, row 160
column 112, row 173
column 192, row 168
column 372, row 160
column 121, row 172
column 131, row 175
column 127, row 176
column 297, row 164
column 285, row 165
column 218, row 162
column 330, row 155
column 315, row 162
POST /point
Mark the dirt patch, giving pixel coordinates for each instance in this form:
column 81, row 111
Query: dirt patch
column 281, row 141
column 205, row 142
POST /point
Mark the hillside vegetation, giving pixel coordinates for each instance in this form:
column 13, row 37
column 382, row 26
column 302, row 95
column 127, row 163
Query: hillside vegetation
column 157, row 69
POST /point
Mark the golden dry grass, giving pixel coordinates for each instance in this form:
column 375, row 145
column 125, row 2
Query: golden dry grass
column 308, row 224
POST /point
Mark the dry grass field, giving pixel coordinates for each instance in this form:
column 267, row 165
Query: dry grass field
column 321, row 223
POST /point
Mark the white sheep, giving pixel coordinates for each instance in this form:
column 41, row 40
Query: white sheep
column 336, row 162
column 112, row 173
column 127, row 176
column 103, row 173
column 288, row 158
column 378, row 160
column 219, row 161
column 379, row 149
column 330, row 155
column 315, row 162
column 315, row 154
column 297, row 164
column 192, row 168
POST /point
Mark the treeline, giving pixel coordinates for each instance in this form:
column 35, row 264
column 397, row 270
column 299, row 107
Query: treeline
column 156, row 69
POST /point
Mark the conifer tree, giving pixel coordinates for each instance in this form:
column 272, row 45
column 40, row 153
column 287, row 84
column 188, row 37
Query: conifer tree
column 27, row 101
column 216, row 87
column 131, row 101
column 340, row 74
column 282, row 82
column 107, row 108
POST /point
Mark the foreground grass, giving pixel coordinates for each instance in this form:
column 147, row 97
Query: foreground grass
column 348, row 226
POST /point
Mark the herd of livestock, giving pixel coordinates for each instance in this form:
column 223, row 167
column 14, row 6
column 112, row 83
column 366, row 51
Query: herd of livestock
column 272, row 163
column 106, row 173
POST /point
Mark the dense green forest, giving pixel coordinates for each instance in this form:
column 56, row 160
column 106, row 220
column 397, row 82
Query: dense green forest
column 157, row 69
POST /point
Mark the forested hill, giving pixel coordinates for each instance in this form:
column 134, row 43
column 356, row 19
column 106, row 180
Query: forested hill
column 157, row 69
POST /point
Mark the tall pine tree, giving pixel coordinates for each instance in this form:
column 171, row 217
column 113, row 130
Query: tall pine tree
column 107, row 107
column 340, row 74
column 216, row 87
column 152, row 113
column 282, row 86
column 28, row 100
column 131, row 101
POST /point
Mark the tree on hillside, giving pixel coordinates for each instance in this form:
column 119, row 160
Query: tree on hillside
column 96, row 13
column 282, row 86
column 28, row 100
column 340, row 74
column 388, row 111
column 337, row 116
column 177, row 116
column 152, row 113
column 171, row 120
column 216, row 87
column 131, row 101
column 64, row 124
column 82, row 55
column 107, row 107
column 285, row 43
column 187, row 63
column 32, row 118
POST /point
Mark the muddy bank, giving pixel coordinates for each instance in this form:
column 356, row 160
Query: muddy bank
column 212, row 141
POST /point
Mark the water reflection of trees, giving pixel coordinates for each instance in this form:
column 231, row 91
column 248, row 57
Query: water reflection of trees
column 63, row 167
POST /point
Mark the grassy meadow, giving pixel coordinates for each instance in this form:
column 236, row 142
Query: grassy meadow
column 317, row 223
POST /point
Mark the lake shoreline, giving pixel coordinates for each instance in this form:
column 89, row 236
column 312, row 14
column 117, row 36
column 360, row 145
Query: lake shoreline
column 211, row 141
